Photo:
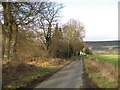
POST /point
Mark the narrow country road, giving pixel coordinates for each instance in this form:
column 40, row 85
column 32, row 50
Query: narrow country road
column 68, row 77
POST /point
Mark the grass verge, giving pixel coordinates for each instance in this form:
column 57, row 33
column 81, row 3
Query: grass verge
column 21, row 75
column 100, row 73
column 34, row 75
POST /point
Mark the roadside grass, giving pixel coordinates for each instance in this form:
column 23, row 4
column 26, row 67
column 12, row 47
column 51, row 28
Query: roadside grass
column 18, row 75
column 101, row 81
column 102, row 74
column 34, row 75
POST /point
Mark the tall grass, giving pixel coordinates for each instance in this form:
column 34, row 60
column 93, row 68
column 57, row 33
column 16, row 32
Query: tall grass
column 102, row 71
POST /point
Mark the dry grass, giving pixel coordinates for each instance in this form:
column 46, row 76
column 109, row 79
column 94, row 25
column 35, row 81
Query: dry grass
column 13, row 71
column 106, row 69
column 44, row 62
column 105, row 75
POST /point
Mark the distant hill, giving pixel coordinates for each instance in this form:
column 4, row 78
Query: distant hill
column 103, row 45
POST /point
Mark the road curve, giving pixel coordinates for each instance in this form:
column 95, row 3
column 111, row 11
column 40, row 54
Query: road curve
column 68, row 77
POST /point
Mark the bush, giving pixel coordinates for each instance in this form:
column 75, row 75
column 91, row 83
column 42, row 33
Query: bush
column 88, row 51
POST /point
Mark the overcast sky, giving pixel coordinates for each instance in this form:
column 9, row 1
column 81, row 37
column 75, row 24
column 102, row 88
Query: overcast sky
column 100, row 17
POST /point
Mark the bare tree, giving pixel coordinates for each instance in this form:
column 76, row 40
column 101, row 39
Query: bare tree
column 73, row 32
column 48, row 18
column 19, row 15
column 74, row 28
column 15, row 16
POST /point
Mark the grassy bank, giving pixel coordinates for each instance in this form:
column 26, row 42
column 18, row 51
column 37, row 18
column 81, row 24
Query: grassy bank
column 28, row 78
column 19, row 74
column 101, row 70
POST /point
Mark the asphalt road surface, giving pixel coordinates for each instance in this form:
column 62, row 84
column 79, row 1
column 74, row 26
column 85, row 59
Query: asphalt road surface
column 68, row 77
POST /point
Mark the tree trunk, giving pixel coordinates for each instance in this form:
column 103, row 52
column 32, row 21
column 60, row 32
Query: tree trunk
column 7, row 28
column 68, row 49
column 8, row 43
column 8, row 48
column 15, row 29
column 3, row 41
column 48, row 37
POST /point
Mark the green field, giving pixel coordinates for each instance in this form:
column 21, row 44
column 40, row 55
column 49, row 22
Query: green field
column 114, row 59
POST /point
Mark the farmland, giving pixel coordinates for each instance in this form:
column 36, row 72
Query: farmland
column 113, row 59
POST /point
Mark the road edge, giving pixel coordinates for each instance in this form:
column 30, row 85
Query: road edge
column 31, row 85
